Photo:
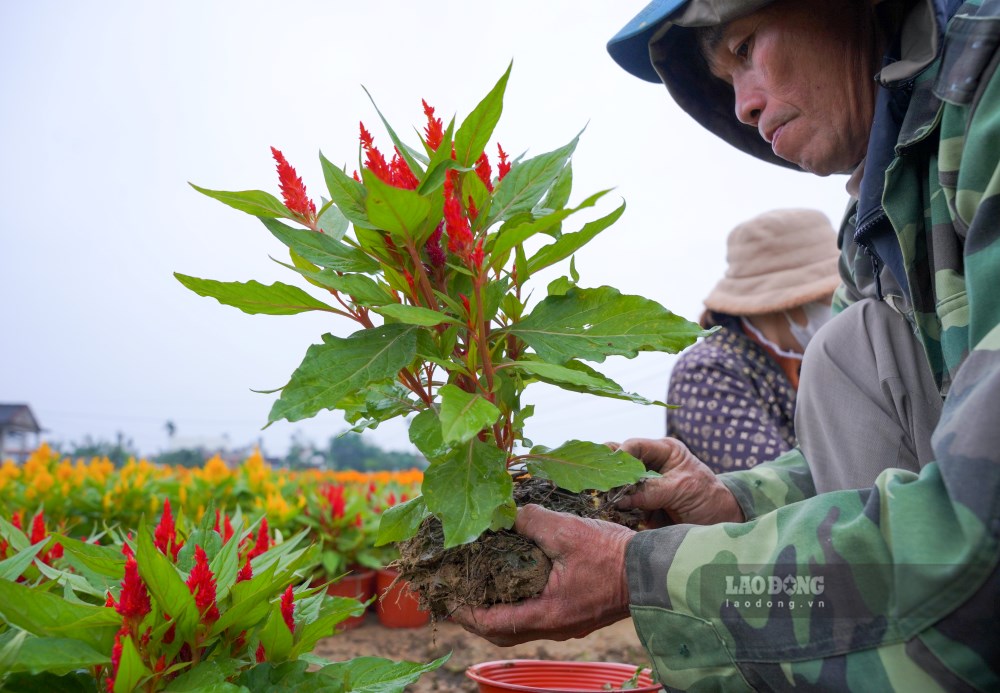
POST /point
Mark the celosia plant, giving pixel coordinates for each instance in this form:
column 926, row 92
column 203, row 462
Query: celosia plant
column 221, row 608
column 428, row 251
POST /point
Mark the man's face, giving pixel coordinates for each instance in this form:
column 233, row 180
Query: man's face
column 795, row 71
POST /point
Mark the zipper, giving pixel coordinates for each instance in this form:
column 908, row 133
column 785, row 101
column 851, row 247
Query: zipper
column 877, row 263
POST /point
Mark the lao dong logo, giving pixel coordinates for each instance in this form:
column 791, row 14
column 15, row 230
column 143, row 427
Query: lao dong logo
column 758, row 585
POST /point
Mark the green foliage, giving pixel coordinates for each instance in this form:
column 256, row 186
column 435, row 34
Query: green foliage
column 436, row 273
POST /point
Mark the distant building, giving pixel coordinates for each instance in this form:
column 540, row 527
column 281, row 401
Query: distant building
column 17, row 423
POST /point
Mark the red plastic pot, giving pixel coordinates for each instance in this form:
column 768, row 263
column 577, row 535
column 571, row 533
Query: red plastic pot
column 545, row 676
column 359, row 585
column 397, row 607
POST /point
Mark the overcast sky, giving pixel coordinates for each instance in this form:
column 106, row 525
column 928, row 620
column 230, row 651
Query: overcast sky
column 108, row 109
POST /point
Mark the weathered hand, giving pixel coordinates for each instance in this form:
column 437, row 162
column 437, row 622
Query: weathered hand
column 587, row 588
column 688, row 492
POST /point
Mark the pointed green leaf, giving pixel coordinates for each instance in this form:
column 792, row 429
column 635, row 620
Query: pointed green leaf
column 595, row 323
column 401, row 521
column 333, row 222
column 414, row 315
column 558, row 195
column 131, row 670
column 207, row 677
column 255, row 202
column 395, row 210
column 46, row 614
column 425, row 434
column 576, row 376
column 225, row 566
column 250, row 602
column 347, row 194
column 474, row 133
column 569, row 243
column 17, row 538
column 464, row 490
column 578, row 465
column 377, row 675
column 103, row 560
column 332, row 370
column 275, row 636
column 335, row 610
column 463, row 415
column 508, row 238
column 253, row 297
column 11, row 642
column 360, row 288
column 166, row 586
column 12, row 568
column 527, row 182
column 321, row 249
column 58, row 656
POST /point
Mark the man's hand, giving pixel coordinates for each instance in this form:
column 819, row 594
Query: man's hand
column 587, row 588
column 688, row 492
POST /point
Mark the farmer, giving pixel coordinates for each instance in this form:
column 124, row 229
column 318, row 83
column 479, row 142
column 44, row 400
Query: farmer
column 736, row 388
column 867, row 558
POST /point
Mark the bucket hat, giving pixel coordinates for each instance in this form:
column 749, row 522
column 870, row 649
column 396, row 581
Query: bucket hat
column 776, row 261
column 660, row 45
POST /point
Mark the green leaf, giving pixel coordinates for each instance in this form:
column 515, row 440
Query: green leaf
column 12, row 568
column 463, row 415
column 578, row 465
column 358, row 287
column 377, row 675
column 76, row 682
column 400, row 522
column 579, row 377
column 103, row 560
column 333, row 222
column 253, row 297
column 58, row 656
column 414, row 315
column 334, row 611
column 17, row 538
column 474, row 133
column 46, row 614
column 225, row 566
column 464, row 489
column 275, row 636
column 595, row 323
column 425, row 434
column 396, row 210
column 331, row 371
column 507, row 238
column 166, row 586
column 527, row 182
column 255, row 202
column 131, row 670
column 569, row 243
column 321, row 249
column 206, row 677
column 558, row 194
column 347, row 193
column 250, row 602
column 11, row 642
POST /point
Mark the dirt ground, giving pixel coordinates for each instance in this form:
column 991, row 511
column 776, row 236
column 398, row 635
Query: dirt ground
column 616, row 643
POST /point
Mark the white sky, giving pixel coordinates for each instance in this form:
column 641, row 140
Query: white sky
column 108, row 108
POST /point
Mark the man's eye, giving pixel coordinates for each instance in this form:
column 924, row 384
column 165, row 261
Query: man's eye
column 743, row 49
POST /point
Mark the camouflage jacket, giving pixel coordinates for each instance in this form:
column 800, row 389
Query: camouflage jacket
column 896, row 586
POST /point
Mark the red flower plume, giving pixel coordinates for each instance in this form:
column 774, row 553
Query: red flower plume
column 434, row 130
column 201, row 583
column 288, row 609
column 292, row 188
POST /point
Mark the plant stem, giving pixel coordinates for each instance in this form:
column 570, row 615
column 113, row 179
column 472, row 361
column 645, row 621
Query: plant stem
column 425, row 284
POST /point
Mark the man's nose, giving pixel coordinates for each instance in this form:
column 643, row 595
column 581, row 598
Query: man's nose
column 750, row 102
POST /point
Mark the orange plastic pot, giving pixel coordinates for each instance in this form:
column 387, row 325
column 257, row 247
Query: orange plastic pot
column 358, row 585
column 545, row 676
column 397, row 606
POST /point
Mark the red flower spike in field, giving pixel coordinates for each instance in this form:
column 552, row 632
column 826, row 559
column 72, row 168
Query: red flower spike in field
column 260, row 655
column 374, row 161
column 292, row 188
column 484, row 171
column 457, row 226
column 133, row 602
column 165, row 536
column 262, row 542
column 503, row 167
column 288, row 609
column 201, row 583
column 401, row 175
column 334, row 495
column 38, row 528
column 246, row 572
column 477, row 256
column 435, row 129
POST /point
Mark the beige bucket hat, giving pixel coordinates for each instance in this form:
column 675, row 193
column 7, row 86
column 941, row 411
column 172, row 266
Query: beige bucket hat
column 776, row 261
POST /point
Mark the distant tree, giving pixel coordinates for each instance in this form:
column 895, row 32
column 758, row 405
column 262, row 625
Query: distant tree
column 351, row 451
column 184, row 457
column 118, row 451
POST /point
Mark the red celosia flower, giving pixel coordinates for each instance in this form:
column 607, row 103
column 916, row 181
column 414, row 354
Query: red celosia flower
column 358, row 521
column 435, row 128
column 476, row 258
column 201, row 583
column 473, row 212
column 133, row 602
column 288, row 609
column 262, row 543
column 433, row 246
column 334, row 495
column 391, row 500
column 457, row 225
column 38, row 529
column 400, row 174
column 503, row 167
column 292, row 188
column 161, row 664
column 409, row 282
column 484, row 171
column 110, row 601
column 246, row 572
column 226, row 530
column 260, row 655
column 374, row 160
column 15, row 520
column 165, row 537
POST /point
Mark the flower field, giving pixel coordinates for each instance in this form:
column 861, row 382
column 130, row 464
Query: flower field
column 158, row 578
